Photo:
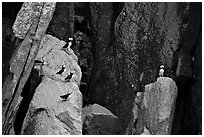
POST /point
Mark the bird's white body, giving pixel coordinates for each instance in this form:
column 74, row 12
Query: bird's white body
column 161, row 71
column 70, row 42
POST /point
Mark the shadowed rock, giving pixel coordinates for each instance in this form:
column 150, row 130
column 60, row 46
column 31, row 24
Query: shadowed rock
column 98, row 120
column 155, row 108
column 30, row 25
column 60, row 116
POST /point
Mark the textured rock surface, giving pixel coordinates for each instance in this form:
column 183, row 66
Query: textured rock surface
column 22, row 60
column 159, row 103
column 119, row 47
column 8, row 45
column 98, row 120
column 154, row 108
column 146, row 36
column 48, row 113
column 60, row 26
column 188, row 108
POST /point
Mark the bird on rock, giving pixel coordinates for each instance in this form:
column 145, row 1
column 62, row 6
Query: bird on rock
column 69, row 77
column 70, row 40
column 61, row 70
column 161, row 71
column 65, row 97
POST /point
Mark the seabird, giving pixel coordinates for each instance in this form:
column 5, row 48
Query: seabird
column 70, row 40
column 161, row 71
column 61, row 70
column 69, row 76
column 65, row 97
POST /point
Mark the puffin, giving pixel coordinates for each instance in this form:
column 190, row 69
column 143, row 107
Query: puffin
column 69, row 76
column 70, row 41
column 65, row 97
column 161, row 71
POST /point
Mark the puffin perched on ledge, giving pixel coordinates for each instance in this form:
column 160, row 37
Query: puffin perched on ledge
column 161, row 71
column 70, row 41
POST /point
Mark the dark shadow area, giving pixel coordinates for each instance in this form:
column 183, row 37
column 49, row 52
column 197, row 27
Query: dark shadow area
column 9, row 12
column 188, row 112
column 27, row 93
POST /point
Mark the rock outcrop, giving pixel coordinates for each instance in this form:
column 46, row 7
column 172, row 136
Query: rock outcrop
column 49, row 113
column 98, row 120
column 114, row 61
column 30, row 26
column 153, row 110
column 144, row 36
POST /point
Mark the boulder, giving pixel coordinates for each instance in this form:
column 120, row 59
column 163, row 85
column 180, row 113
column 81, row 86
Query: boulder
column 50, row 111
column 159, row 104
column 153, row 109
column 98, row 120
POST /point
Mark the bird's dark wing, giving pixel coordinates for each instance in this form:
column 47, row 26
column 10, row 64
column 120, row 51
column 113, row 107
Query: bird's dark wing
column 61, row 70
column 69, row 76
column 65, row 46
column 64, row 97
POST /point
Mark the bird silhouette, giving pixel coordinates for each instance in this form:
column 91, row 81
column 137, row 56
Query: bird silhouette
column 65, row 46
column 61, row 70
column 65, row 97
column 38, row 62
column 69, row 76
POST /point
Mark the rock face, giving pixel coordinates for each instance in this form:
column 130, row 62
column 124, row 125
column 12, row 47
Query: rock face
column 8, row 45
column 153, row 110
column 61, row 25
column 197, row 85
column 98, row 120
column 31, row 31
column 119, row 47
column 188, row 72
column 144, row 36
column 49, row 113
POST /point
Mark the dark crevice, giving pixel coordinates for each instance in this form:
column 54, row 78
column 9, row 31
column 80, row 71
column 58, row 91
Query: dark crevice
column 186, row 112
column 117, row 8
column 9, row 42
column 27, row 93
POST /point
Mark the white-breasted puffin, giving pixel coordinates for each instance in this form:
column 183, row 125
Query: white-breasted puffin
column 161, row 71
column 70, row 41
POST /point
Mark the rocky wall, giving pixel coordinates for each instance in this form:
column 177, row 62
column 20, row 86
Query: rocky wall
column 30, row 26
column 146, row 36
column 56, row 106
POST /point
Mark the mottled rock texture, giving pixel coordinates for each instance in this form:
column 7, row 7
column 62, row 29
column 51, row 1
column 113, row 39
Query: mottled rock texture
column 98, row 120
column 119, row 47
column 61, row 25
column 144, row 36
column 23, row 58
column 48, row 113
column 153, row 109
